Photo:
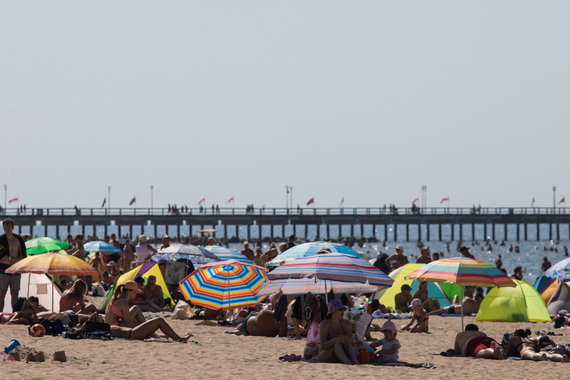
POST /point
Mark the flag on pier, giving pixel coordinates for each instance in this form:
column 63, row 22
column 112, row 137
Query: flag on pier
column 563, row 200
column 13, row 200
column 311, row 201
column 532, row 203
column 415, row 200
column 341, row 201
column 104, row 202
column 230, row 199
column 133, row 200
column 446, row 199
column 201, row 201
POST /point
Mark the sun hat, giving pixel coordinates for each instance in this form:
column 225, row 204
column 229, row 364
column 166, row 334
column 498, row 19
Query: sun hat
column 399, row 247
column 389, row 326
column 143, row 239
column 335, row 305
column 131, row 285
column 415, row 302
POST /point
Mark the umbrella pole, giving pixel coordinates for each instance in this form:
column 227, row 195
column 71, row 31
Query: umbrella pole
column 326, row 293
column 229, row 299
column 29, row 276
column 52, row 291
column 461, row 300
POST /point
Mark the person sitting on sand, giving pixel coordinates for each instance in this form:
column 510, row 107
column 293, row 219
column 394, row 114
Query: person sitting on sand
column 266, row 323
column 153, row 292
column 420, row 316
column 27, row 316
column 118, row 312
column 403, row 299
column 73, row 299
column 430, row 304
column 473, row 342
column 470, row 304
column 390, row 345
column 140, row 299
column 520, row 344
column 335, row 332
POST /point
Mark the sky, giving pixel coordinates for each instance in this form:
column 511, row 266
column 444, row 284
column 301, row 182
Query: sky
column 361, row 100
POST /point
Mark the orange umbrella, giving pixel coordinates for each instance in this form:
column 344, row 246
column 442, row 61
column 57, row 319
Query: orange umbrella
column 54, row 263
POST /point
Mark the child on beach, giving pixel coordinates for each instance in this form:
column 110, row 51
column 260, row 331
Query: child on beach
column 419, row 315
column 390, row 345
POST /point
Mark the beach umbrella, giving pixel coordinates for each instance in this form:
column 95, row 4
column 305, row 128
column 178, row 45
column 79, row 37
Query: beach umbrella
column 225, row 254
column 463, row 272
column 311, row 249
column 224, row 285
column 313, row 285
column 100, row 246
column 559, row 270
column 53, row 263
column 182, row 252
column 334, row 267
column 44, row 244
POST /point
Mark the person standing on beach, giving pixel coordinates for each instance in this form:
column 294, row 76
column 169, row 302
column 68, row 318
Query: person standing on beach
column 143, row 250
column 398, row 259
column 12, row 250
column 425, row 256
column 247, row 252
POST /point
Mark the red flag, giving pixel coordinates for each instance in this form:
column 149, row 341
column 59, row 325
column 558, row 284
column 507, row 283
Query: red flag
column 532, row 203
column 563, row 200
column 415, row 200
column 201, row 201
column 446, row 199
column 311, row 201
column 341, row 202
column 104, row 202
column 133, row 200
column 13, row 200
column 230, row 199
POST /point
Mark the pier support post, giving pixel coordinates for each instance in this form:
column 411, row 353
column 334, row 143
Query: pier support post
column 473, row 232
column 525, row 232
column 385, row 232
column 537, row 232
column 428, row 237
column 178, row 231
column 237, row 231
column 557, row 231
column 518, row 232
column 452, row 232
column 395, row 232
column 419, row 232
column 461, row 231
column 352, row 230
column 439, row 232
column 225, row 231
column 407, row 232
column 493, row 232
column 249, row 232
column 156, row 230
column 505, row 230
column 485, row 231
column 105, row 230
column 374, row 232
column 550, row 232
column 328, row 232
column 130, row 232
column 83, row 229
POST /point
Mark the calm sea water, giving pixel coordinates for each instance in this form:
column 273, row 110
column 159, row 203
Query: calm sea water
column 530, row 256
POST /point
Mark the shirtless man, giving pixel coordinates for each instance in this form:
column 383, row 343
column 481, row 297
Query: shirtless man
column 473, row 342
column 425, row 256
column 153, row 292
column 77, row 250
column 398, row 259
column 12, row 250
column 402, row 300
column 247, row 252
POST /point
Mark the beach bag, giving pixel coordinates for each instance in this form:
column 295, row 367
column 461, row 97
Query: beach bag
column 181, row 311
column 313, row 345
column 54, row 327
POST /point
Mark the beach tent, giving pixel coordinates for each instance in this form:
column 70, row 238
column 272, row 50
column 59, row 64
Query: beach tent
column 443, row 292
column 519, row 304
column 545, row 286
column 41, row 286
column 561, row 298
column 144, row 270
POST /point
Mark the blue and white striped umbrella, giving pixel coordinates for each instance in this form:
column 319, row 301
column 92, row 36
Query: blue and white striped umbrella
column 182, row 251
column 311, row 249
column 225, row 254
column 100, row 246
column 305, row 285
column 559, row 270
column 332, row 266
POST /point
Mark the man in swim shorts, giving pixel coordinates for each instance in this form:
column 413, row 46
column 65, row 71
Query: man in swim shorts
column 473, row 342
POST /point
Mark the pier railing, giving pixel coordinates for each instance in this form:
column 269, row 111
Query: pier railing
column 144, row 211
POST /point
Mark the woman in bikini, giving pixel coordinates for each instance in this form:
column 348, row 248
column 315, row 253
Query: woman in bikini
column 72, row 299
column 527, row 348
column 27, row 316
column 430, row 304
column 130, row 323
column 420, row 316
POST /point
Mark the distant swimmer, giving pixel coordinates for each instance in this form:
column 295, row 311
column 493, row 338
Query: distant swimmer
column 465, row 252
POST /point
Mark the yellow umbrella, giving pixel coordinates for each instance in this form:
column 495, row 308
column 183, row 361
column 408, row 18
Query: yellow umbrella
column 53, row 263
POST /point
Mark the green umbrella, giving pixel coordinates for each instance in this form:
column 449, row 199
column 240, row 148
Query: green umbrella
column 44, row 244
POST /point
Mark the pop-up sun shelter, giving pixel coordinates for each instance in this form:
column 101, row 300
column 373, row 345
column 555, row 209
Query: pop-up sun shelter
column 39, row 285
column 443, row 292
column 519, row 304
column 560, row 298
column 144, row 270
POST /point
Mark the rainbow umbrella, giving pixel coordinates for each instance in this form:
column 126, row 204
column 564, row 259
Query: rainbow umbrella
column 334, row 267
column 225, row 254
column 44, row 244
column 311, row 249
column 463, row 272
column 53, row 263
column 560, row 270
column 224, row 285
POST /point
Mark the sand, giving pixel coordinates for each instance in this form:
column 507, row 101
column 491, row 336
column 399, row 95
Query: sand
column 229, row 356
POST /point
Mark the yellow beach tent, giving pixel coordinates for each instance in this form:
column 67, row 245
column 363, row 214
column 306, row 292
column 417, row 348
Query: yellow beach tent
column 519, row 304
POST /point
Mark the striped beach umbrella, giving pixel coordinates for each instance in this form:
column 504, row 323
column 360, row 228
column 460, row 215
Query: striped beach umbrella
column 225, row 254
column 44, row 244
column 463, row 272
column 100, row 246
column 182, row 252
column 311, row 249
column 224, row 285
column 559, row 270
column 305, row 285
column 334, row 267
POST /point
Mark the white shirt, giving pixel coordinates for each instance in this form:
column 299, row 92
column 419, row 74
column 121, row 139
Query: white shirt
column 142, row 253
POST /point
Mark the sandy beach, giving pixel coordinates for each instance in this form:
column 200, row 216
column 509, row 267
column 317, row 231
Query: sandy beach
column 229, row 356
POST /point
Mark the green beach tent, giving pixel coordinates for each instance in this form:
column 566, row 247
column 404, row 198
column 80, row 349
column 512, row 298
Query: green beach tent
column 519, row 304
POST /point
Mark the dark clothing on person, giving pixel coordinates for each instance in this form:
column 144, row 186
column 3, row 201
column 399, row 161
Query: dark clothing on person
column 5, row 250
column 380, row 263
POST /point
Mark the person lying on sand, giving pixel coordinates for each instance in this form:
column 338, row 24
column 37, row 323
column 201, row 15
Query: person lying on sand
column 118, row 312
column 147, row 330
column 27, row 316
column 266, row 323
column 473, row 342
column 73, row 299
column 337, row 344
column 536, row 348
column 470, row 304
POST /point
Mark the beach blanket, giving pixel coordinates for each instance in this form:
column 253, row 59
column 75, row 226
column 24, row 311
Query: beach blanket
column 378, row 314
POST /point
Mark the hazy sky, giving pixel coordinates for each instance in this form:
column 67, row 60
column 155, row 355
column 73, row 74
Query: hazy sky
column 363, row 99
